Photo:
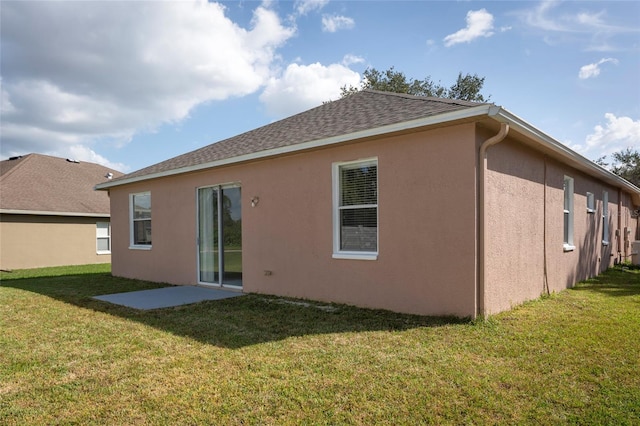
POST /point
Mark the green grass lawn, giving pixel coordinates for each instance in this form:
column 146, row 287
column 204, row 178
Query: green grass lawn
column 65, row 358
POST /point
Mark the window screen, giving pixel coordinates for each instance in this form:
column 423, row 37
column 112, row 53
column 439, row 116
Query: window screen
column 358, row 207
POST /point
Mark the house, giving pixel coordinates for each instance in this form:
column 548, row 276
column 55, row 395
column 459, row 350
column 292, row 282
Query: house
column 381, row 200
column 50, row 214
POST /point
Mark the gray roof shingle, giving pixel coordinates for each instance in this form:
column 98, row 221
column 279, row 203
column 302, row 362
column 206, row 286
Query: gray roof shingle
column 41, row 183
column 363, row 110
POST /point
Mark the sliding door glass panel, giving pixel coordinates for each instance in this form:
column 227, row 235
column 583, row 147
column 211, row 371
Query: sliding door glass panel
column 208, row 235
column 220, row 236
column 232, row 236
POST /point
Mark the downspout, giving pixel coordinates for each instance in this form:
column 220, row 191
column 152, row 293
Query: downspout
column 545, row 278
column 482, row 219
column 620, row 230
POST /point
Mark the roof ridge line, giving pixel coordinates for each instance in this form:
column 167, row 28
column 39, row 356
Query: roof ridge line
column 26, row 157
column 426, row 98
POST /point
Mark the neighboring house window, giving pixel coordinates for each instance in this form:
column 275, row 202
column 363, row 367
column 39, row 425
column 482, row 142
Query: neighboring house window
column 103, row 238
column 591, row 203
column 605, row 218
column 140, row 220
column 568, row 214
column 355, row 213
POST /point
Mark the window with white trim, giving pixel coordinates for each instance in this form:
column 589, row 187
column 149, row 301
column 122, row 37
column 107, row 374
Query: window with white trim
column 355, row 213
column 140, row 225
column 568, row 214
column 605, row 218
column 103, row 238
column 591, row 203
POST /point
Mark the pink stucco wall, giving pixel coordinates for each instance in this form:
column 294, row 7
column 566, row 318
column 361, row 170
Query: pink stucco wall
column 428, row 237
column 525, row 200
column 426, row 262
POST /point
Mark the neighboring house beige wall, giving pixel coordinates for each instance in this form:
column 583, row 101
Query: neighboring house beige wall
column 525, row 206
column 32, row 241
column 427, row 236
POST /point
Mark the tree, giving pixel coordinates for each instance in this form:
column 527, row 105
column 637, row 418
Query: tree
column 626, row 164
column 467, row 87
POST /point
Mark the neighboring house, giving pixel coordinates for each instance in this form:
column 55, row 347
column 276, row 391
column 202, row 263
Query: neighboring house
column 50, row 214
column 412, row 204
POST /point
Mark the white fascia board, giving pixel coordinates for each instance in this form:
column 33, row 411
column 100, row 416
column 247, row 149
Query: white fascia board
column 481, row 110
column 49, row 213
column 573, row 158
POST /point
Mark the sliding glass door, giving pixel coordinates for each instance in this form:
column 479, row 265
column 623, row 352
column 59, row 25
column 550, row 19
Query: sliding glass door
column 220, row 236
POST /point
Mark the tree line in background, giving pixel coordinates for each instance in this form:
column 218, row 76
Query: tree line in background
column 626, row 164
column 467, row 87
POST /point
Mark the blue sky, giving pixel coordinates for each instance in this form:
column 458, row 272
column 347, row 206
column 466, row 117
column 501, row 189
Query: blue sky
column 130, row 84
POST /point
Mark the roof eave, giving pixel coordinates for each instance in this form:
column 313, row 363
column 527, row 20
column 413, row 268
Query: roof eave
column 568, row 155
column 480, row 110
column 496, row 112
column 52, row 213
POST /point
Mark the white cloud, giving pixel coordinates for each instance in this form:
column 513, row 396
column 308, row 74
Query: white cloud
column 617, row 134
column 538, row 18
column 593, row 19
column 479, row 24
column 306, row 86
column 305, row 6
column 351, row 59
column 333, row 23
column 560, row 23
column 83, row 153
column 593, row 70
column 106, row 70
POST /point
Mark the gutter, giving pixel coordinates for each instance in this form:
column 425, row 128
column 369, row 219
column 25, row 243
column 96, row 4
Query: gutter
column 474, row 112
column 52, row 213
column 566, row 154
column 485, row 110
column 482, row 217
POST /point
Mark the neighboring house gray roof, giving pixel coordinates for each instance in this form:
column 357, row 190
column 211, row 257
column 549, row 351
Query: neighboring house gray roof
column 40, row 184
column 357, row 112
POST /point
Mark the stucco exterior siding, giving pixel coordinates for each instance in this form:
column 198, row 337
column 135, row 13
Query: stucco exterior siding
column 525, row 206
column 426, row 209
column 515, row 231
column 34, row 241
column 458, row 232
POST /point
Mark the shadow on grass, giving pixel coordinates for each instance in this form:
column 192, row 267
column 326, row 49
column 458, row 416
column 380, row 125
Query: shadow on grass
column 231, row 323
column 615, row 282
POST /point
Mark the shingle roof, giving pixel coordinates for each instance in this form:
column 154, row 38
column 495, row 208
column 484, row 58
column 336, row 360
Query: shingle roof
column 363, row 110
column 41, row 183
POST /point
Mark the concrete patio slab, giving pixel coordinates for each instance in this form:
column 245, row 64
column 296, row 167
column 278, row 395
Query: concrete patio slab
column 167, row 297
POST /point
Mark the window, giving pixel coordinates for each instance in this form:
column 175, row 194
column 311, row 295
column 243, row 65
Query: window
column 103, row 238
column 605, row 218
column 568, row 214
column 140, row 229
column 591, row 203
column 355, row 213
